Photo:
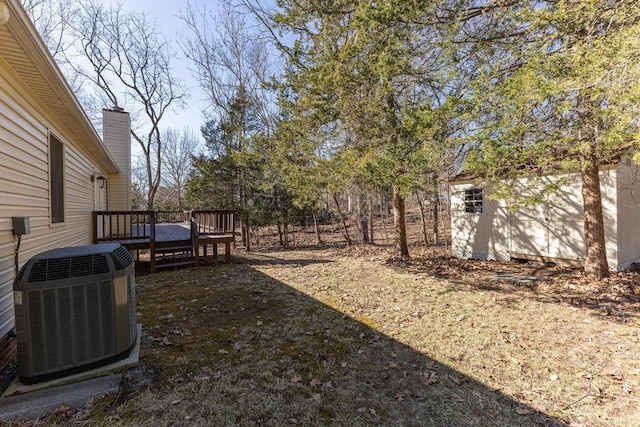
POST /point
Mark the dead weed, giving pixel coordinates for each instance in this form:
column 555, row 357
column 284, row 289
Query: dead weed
column 355, row 337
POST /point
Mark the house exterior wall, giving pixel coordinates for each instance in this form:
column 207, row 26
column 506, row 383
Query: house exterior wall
column 551, row 229
column 24, row 184
column 628, row 201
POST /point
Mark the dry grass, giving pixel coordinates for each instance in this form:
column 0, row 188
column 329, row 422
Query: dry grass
column 349, row 337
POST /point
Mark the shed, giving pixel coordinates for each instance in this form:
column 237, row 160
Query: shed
column 485, row 228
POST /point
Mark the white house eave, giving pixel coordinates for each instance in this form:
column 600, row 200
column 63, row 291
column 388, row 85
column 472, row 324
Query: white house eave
column 47, row 82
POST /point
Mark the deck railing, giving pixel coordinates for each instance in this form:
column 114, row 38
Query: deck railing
column 140, row 225
column 213, row 222
column 172, row 217
column 137, row 229
column 123, row 225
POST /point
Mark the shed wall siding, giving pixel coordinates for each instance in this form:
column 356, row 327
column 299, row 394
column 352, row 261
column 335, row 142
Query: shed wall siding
column 479, row 235
column 554, row 228
column 628, row 213
column 24, row 187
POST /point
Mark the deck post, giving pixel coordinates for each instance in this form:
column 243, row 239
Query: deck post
column 94, row 216
column 152, row 237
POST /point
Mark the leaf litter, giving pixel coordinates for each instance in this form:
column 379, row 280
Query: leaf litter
column 357, row 337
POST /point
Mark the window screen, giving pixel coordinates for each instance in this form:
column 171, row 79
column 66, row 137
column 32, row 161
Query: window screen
column 56, row 179
column 473, row 200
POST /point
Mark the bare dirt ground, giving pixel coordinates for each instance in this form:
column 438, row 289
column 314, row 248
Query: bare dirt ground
column 354, row 336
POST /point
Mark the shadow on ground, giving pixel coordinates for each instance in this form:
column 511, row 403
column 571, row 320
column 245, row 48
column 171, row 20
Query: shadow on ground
column 229, row 345
column 618, row 295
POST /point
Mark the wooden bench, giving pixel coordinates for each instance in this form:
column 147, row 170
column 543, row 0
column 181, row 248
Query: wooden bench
column 212, row 228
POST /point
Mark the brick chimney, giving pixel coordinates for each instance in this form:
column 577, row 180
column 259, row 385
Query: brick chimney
column 116, row 135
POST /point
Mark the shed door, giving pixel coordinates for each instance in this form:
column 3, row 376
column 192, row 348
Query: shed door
column 530, row 231
column 552, row 229
column 566, row 222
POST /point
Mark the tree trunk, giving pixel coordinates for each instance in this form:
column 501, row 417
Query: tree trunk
column 286, row 229
column 246, row 234
column 361, row 218
column 402, row 248
column 422, row 218
column 370, row 209
column 436, row 219
column 382, row 217
column 595, row 263
column 345, row 232
column 317, row 229
column 280, row 236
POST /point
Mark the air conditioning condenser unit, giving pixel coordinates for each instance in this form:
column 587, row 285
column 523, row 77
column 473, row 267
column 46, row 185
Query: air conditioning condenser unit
column 75, row 310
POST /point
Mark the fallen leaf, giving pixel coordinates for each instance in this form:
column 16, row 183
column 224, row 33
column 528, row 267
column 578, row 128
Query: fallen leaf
column 315, row 383
column 459, row 379
column 296, row 378
column 61, row 410
column 429, row 378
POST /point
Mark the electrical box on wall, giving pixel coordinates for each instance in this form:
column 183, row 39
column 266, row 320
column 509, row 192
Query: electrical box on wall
column 21, row 225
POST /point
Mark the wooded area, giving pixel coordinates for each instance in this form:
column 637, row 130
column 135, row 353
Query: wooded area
column 311, row 101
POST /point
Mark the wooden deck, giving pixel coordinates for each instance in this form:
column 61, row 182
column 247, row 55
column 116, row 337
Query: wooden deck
column 172, row 238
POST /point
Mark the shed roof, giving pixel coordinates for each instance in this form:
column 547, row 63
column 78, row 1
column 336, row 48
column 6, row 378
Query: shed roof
column 467, row 176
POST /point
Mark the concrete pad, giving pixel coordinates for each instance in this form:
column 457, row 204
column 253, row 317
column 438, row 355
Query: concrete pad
column 512, row 277
column 39, row 403
column 36, row 400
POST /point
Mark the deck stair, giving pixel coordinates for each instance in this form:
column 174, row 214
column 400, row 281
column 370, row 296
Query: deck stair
column 178, row 254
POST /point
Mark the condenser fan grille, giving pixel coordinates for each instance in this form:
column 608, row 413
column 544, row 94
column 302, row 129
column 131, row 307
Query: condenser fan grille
column 64, row 268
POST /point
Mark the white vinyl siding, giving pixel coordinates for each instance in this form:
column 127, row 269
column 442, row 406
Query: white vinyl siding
column 24, row 185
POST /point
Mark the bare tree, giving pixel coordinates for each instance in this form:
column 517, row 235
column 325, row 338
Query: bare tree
column 139, row 185
column 177, row 154
column 130, row 67
column 53, row 20
column 231, row 64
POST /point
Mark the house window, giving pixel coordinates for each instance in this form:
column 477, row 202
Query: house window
column 473, row 200
column 56, row 179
